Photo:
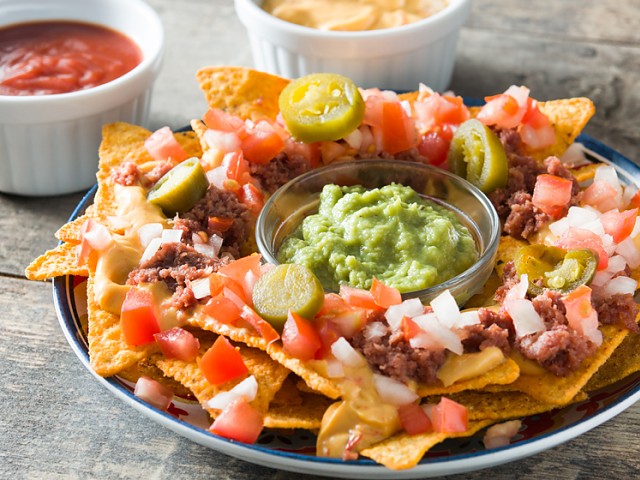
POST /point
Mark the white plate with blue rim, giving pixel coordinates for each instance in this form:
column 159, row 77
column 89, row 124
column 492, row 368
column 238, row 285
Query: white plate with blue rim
column 294, row 450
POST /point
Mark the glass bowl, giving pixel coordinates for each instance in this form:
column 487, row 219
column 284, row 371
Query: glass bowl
column 288, row 206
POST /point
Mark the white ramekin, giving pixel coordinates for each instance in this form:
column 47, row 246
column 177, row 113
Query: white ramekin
column 49, row 143
column 394, row 58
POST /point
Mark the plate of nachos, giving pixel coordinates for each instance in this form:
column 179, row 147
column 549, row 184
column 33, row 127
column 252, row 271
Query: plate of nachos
column 155, row 289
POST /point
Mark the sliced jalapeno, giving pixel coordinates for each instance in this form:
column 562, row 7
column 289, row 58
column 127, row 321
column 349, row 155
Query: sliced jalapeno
column 477, row 154
column 321, row 107
column 555, row 268
column 180, row 188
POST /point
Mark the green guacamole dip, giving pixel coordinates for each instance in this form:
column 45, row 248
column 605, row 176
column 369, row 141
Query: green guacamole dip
column 392, row 233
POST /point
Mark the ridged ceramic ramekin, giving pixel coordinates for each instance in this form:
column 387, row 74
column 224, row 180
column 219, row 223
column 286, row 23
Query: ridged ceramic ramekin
column 394, row 58
column 49, row 143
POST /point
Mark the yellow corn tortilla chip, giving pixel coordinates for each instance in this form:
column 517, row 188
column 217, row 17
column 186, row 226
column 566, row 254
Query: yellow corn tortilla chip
column 507, row 248
column 242, row 91
column 268, row 374
column 145, row 369
column 586, row 173
column 483, row 405
column 292, row 408
column 315, row 381
column 59, row 261
column 505, row 373
column 109, row 354
column 624, row 362
column 403, row 451
column 548, row 388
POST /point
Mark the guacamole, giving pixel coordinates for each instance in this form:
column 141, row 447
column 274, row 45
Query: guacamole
column 392, row 233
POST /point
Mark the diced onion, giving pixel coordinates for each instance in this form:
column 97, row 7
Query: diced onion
column 224, row 141
column 620, row 285
column 439, row 333
column 334, row 368
column 153, row 392
column 594, row 226
column 354, row 139
column 424, row 341
column 217, row 176
column 628, row 249
column 525, row 318
column 446, row 309
column 601, row 278
column 118, row 223
column 98, row 237
column 171, row 235
column 152, row 248
column 216, row 242
column 392, row 391
column 409, row 308
column 500, row 435
column 148, row 232
column 574, row 155
column 617, row 263
column 519, row 290
column 205, row 249
column 248, row 388
column 375, row 330
column 348, row 355
column 559, row 227
column 470, row 317
column 201, row 288
column 406, row 105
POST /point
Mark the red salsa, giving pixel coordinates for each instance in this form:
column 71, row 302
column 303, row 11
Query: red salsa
column 44, row 58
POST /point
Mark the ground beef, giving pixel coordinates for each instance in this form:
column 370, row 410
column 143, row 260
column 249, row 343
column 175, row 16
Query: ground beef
column 127, row 174
column 159, row 171
column 272, row 175
column 559, row 350
column 484, row 335
column 524, row 218
column 217, row 203
column 393, row 356
column 176, row 264
column 509, row 279
column 619, row 309
column 550, row 308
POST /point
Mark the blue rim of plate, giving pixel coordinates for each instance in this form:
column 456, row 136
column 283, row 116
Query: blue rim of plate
column 611, row 401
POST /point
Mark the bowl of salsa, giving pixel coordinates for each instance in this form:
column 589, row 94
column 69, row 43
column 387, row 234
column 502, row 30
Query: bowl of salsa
column 66, row 69
column 412, row 226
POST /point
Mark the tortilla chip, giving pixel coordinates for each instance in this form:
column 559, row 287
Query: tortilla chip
column 144, row 369
column 554, row 390
column 109, row 354
column 505, row 373
column 242, row 91
column 291, row 408
column 624, row 362
column 507, row 248
column 404, row 451
column 57, row 262
column 586, row 173
column 70, row 232
column 268, row 374
column 568, row 117
column 483, row 405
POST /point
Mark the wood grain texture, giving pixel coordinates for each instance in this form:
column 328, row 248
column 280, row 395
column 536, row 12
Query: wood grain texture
column 59, row 422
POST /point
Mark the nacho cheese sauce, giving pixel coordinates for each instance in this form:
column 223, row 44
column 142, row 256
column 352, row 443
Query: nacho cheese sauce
column 45, row 58
column 405, row 241
column 353, row 15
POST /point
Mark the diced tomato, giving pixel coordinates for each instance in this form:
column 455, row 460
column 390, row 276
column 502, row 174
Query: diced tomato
column 344, row 319
column 552, row 194
column 178, row 343
column 219, row 224
column 414, row 419
column 94, row 236
column 397, row 132
column 223, row 310
column 222, row 141
column 449, row 417
column 222, row 362
column 138, row 319
column 440, row 114
column 601, row 195
column 328, row 334
column 635, row 201
column 218, row 282
column 251, row 197
column 153, row 392
column 309, row 151
column 581, row 315
column 536, row 129
column 410, row 328
column 238, row 269
column 162, row 145
column 384, row 296
column 575, row 238
column 237, row 167
column 217, row 119
column 262, row 143
column 505, row 110
column 358, row 297
column 299, row 337
column 239, row 421
column 434, row 148
column 264, row 328
column 619, row 224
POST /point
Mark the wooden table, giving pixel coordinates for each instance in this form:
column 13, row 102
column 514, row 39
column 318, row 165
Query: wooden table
column 57, row 422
